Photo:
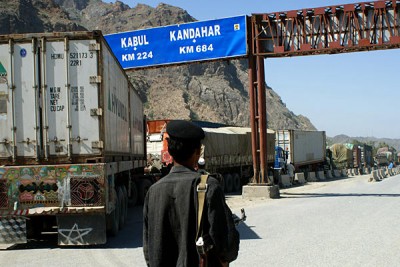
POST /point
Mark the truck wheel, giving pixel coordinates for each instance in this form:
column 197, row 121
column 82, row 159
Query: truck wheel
column 228, row 182
column 236, row 182
column 121, row 203
column 143, row 187
column 221, row 180
column 125, row 201
column 114, row 217
column 132, row 201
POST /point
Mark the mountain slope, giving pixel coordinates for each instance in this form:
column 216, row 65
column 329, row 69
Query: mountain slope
column 212, row 91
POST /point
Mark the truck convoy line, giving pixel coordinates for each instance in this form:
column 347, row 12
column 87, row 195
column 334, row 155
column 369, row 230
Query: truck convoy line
column 72, row 139
column 227, row 151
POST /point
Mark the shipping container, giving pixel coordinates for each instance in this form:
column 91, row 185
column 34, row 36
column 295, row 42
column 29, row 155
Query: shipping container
column 306, row 150
column 72, row 133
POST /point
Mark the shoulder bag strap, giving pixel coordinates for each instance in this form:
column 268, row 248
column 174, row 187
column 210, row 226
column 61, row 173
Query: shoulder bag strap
column 201, row 195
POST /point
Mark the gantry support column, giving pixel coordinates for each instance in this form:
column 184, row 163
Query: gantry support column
column 258, row 114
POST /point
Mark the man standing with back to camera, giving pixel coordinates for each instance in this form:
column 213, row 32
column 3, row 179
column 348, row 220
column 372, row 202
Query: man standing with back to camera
column 170, row 208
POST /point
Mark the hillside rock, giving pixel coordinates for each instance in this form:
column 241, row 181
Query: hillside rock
column 212, row 91
column 29, row 16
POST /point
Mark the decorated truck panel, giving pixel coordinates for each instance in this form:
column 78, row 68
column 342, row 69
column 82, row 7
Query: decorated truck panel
column 72, row 138
column 77, row 190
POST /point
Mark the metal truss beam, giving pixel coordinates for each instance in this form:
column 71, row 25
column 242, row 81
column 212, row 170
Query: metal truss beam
column 329, row 30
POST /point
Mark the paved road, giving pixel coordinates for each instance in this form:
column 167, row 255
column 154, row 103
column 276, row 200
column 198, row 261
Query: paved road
column 346, row 222
column 349, row 222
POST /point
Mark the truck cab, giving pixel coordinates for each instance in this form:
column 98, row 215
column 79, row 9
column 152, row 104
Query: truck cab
column 281, row 157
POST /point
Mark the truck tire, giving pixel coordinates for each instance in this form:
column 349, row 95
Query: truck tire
column 228, row 182
column 221, row 180
column 236, row 182
column 125, row 201
column 132, row 201
column 114, row 218
column 143, row 187
column 121, row 203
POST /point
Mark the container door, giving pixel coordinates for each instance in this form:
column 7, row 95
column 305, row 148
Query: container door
column 6, row 118
column 84, row 98
column 72, row 98
column 19, row 109
column 55, row 73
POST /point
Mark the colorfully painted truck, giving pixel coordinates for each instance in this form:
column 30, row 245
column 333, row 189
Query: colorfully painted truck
column 72, row 138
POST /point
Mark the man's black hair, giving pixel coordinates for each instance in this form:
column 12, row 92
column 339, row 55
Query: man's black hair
column 182, row 149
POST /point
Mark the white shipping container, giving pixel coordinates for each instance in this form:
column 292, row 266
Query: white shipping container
column 19, row 117
column 64, row 96
column 304, row 147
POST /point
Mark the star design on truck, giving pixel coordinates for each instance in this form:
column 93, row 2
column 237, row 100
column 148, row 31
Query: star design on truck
column 74, row 235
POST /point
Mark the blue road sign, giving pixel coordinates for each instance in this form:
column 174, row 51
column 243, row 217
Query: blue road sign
column 196, row 41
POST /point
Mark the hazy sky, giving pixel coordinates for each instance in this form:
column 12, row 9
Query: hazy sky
column 356, row 94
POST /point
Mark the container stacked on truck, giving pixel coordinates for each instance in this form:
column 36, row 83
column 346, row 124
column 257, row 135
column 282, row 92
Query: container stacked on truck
column 72, row 148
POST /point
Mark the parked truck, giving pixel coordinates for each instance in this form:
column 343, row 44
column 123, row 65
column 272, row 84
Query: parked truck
column 356, row 155
column 226, row 151
column 384, row 156
column 366, row 156
column 158, row 158
column 342, row 156
column 72, row 138
column 306, row 150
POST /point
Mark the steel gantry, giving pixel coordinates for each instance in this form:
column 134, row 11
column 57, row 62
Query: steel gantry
column 335, row 29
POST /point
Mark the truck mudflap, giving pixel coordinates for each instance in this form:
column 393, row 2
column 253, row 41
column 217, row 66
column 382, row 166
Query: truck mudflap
column 85, row 229
column 13, row 230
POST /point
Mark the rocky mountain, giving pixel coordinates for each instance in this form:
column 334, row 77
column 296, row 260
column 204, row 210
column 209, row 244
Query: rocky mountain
column 213, row 91
column 24, row 16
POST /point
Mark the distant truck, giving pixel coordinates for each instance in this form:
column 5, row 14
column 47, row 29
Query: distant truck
column 306, row 150
column 384, row 156
column 381, row 159
column 349, row 155
column 342, row 156
column 356, row 155
column 226, row 150
column 72, row 139
column 366, row 156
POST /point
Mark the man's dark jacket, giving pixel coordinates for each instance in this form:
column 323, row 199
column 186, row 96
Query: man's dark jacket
column 169, row 224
